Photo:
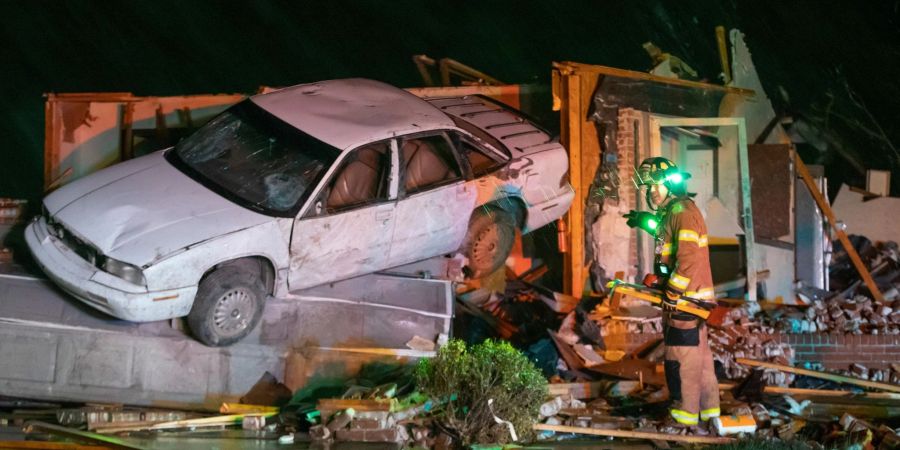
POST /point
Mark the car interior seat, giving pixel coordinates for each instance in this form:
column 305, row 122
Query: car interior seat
column 358, row 181
column 424, row 166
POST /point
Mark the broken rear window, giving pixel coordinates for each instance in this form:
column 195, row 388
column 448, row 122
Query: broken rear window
column 255, row 159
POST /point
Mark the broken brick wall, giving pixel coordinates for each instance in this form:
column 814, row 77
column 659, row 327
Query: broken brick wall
column 832, row 351
column 628, row 145
column 838, row 351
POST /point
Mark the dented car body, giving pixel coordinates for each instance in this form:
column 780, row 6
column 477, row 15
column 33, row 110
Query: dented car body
column 302, row 186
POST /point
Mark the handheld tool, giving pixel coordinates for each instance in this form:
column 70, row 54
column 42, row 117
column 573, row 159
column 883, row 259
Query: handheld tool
column 655, row 296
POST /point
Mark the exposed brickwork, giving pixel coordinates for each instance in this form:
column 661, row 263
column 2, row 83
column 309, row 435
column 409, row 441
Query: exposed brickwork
column 629, row 120
column 838, row 351
column 833, row 351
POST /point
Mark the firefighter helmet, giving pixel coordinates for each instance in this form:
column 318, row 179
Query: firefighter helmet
column 659, row 170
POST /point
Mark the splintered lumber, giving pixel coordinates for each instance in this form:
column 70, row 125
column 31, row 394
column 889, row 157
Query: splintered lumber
column 821, row 375
column 635, row 434
column 576, row 390
column 848, row 247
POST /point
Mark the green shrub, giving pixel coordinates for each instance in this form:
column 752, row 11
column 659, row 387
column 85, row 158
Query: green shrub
column 463, row 380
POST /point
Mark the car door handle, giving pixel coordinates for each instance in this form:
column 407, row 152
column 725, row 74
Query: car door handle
column 383, row 215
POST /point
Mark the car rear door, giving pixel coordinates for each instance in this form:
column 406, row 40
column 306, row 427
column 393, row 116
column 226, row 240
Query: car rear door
column 436, row 201
column 348, row 230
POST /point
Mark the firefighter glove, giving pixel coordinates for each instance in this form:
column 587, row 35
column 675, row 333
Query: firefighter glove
column 670, row 301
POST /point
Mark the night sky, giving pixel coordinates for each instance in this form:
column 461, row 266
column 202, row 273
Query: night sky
column 833, row 64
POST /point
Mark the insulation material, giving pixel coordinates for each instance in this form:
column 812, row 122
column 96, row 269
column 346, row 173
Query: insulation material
column 611, row 240
column 875, row 219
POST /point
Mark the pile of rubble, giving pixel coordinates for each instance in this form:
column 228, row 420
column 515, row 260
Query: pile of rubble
column 857, row 315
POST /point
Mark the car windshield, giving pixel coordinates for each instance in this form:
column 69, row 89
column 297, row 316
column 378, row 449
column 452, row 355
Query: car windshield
column 255, row 159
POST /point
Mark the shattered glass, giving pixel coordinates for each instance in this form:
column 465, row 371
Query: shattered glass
column 256, row 159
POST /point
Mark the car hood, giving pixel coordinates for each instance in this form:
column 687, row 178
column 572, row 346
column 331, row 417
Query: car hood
column 144, row 209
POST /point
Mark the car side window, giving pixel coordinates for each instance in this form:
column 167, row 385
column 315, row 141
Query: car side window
column 362, row 179
column 478, row 159
column 427, row 162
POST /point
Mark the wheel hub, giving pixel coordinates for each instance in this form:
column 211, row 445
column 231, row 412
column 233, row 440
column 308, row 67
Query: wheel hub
column 485, row 246
column 233, row 311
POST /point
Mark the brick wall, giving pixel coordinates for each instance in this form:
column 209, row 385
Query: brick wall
column 629, row 120
column 838, row 351
column 833, row 351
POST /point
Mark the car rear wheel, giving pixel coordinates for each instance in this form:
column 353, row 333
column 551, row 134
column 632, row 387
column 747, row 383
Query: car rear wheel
column 488, row 241
column 228, row 306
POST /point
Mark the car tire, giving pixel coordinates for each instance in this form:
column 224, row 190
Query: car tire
column 228, row 306
column 488, row 241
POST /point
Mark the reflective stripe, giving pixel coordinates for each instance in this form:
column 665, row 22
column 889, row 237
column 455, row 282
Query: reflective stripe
column 679, row 281
column 684, row 417
column 689, row 235
column 707, row 414
column 693, row 236
column 666, row 250
column 702, row 294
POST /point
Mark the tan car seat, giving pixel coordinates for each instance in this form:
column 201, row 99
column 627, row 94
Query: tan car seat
column 424, row 166
column 358, row 181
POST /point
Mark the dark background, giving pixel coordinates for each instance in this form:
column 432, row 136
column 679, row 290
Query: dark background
column 833, row 66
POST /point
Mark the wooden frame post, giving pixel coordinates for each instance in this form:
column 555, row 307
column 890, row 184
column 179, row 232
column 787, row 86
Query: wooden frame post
column 842, row 236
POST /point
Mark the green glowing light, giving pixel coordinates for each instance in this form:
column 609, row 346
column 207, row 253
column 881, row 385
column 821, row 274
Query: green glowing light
column 675, row 178
column 652, row 224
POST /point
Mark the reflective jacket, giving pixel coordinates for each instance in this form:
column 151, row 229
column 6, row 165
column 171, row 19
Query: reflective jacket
column 682, row 251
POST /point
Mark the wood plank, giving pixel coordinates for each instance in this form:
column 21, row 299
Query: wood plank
column 76, row 435
column 635, row 434
column 622, row 73
column 821, row 375
column 821, row 393
column 579, row 391
column 44, row 445
column 240, row 408
column 842, row 236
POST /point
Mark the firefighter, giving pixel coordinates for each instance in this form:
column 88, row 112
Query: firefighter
column 682, row 268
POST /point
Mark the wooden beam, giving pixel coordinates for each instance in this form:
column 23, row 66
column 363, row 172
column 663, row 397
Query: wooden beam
column 723, row 53
column 635, row 434
column 821, row 375
column 622, row 73
column 848, row 247
column 778, row 390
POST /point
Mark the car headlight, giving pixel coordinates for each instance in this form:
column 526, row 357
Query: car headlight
column 125, row 271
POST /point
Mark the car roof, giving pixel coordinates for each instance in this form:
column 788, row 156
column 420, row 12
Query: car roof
column 349, row 112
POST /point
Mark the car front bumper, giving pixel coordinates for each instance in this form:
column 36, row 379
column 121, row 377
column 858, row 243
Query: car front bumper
column 99, row 289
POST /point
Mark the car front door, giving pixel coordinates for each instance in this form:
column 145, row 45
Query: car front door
column 347, row 230
column 436, row 200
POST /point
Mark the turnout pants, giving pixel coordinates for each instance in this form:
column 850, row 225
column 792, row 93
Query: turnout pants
column 690, row 375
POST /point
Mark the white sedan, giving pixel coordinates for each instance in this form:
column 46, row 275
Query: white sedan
column 306, row 185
